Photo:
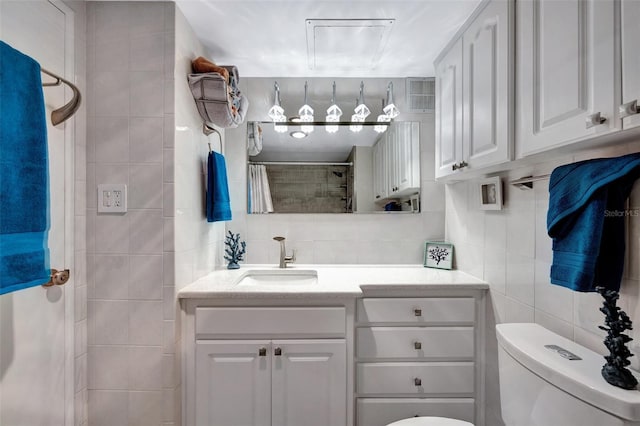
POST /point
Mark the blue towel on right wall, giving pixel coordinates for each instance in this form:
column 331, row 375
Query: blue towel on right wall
column 24, row 177
column 218, row 200
column 586, row 220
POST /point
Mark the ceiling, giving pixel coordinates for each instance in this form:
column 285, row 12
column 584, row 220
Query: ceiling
column 263, row 38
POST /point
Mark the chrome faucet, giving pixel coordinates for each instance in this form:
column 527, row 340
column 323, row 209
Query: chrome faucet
column 284, row 259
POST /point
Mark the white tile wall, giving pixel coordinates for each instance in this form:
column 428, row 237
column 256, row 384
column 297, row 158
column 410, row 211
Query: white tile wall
column 512, row 251
column 130, row 257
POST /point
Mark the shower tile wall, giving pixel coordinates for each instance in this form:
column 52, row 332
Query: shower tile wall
column 511, row 250
column 131, row 311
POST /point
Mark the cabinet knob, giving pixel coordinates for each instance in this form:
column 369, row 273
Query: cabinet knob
column 594, row 120
column 262, row 352
column 277, row 351
column 417, row 381
column 377, row 196
column 630, row 108
column 417, row 345
column 463, row 164
column 417, row 312
column 454, row 166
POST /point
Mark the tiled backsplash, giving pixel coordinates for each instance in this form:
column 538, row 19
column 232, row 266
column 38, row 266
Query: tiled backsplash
column 511, row 250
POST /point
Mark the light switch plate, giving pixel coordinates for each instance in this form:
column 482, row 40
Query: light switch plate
column 112, row 198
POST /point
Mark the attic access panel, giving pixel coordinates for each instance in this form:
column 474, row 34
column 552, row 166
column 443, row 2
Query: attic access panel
column 341, row 44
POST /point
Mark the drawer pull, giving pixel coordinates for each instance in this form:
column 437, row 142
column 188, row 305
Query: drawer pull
column 594, row 120
column 417, row 345
column 277, row 351
column 417, row 381
column 262, row 352
column 628, row 109
column 417, row 312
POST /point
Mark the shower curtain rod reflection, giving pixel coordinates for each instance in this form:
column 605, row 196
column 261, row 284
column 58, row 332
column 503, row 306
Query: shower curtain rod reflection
column 298, row 163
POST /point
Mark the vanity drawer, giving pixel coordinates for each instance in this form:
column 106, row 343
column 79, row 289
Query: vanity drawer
column 382, row 411
column 415, row 378
column 272, row 321
column 417, row 310
column 415, row 342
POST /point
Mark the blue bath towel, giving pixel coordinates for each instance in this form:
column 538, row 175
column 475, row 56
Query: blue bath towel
column 24, row 176
column 586, row 220
column 218, row 203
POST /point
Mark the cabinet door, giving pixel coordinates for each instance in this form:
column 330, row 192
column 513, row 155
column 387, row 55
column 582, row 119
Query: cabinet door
column 309, row 383
column 233, row 383
column 488, row 86
column 379, row 170
column 565, row 72
column 630, row 58
column 408, row 161
column 391, row 160
column 449, row 110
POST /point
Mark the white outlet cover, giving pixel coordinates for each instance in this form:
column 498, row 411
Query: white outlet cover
column 112, row 198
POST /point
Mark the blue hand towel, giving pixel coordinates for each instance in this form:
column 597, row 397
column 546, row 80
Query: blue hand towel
column 586, row 220
column 218, row 204
column 24, row 175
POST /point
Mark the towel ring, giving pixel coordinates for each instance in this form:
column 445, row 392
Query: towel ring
column 208, row 130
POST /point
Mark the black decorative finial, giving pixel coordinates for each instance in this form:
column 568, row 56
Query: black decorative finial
column 617, row 321
column 235, row 250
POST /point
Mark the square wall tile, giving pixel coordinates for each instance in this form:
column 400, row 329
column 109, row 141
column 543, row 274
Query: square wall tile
column 111, row 274
column 550, row 298
column 145, row 280
column 147, row 52
column 108, row 322
column 145, row 323
column 145, row 366
column 146, row 231
column 520, row 278
column 147, row 93
column 112, row 90
column 109, row 367
column 145, row 408
column 112, row 234
column 146, row 139
column 108, row 408
column 145, row 186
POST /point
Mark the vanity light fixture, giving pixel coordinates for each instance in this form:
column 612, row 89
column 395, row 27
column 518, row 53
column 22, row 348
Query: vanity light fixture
column 333, row 113
column 306, row 113
column 361, row 109
column 355, row 118
column 382, row 118
column 390, row 110
column 276, row 112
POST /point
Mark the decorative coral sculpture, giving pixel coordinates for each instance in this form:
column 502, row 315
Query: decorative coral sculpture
column 617, row 321
column 234, row 252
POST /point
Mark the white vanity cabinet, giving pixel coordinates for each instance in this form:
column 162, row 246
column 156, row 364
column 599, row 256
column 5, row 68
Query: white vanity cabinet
column 396, row 162
column 566, row 72
column 475, row 92
column 630, row 112
column 420, row 356
column 267, row 366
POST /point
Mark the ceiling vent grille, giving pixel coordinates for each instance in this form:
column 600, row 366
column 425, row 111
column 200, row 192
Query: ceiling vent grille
column 421, row 94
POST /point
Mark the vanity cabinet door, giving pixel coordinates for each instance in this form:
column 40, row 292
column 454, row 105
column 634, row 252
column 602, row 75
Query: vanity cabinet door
column 565, row 71
column 488, row 61
column 309, row 382
column 233, row 383
column 449, row 110
column 630, row 61
column 379, row 171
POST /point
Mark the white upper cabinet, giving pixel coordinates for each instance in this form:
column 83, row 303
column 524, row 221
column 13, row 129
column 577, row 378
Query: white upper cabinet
column 488, row 63
column 474, row 93
column 449, row 110
column 567, row 86
column 396, row 161
column 630, row 64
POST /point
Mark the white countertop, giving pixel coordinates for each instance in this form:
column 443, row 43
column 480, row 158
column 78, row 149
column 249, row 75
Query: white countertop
column 333, row 281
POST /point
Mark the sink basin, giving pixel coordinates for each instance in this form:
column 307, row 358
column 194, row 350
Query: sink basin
column 279, row 277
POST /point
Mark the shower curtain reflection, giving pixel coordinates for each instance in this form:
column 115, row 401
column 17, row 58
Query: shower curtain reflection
column 259, row 191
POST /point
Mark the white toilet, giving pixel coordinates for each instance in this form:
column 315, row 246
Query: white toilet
column 540, row 386
column 430, row 421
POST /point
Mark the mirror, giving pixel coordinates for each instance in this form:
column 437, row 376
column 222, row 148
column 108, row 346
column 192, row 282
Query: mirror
column 340, row 172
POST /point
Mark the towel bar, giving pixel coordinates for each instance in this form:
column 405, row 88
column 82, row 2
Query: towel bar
column 58, row 277
column 527, row 181
column 64, row 112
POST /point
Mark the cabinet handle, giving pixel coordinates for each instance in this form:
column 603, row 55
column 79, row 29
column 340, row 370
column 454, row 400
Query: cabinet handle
column 417, row 382
column 277, row 351
column 463, row 164
column 594, row 120
column 417, row 345
column 630, row 108
column 417, row 312
column 262, row 352
column 455, row 167
column 377, row 196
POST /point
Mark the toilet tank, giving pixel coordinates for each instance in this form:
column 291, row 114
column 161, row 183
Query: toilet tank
column 540, row 387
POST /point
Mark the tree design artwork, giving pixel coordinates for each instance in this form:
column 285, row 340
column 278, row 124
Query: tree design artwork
column 234, row 252
column 617, row 321
column 438, row 254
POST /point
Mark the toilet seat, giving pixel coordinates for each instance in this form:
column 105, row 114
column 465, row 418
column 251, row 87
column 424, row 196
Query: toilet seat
column 430, row 421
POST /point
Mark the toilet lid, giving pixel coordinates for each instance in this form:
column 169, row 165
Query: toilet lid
column 430, row 421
